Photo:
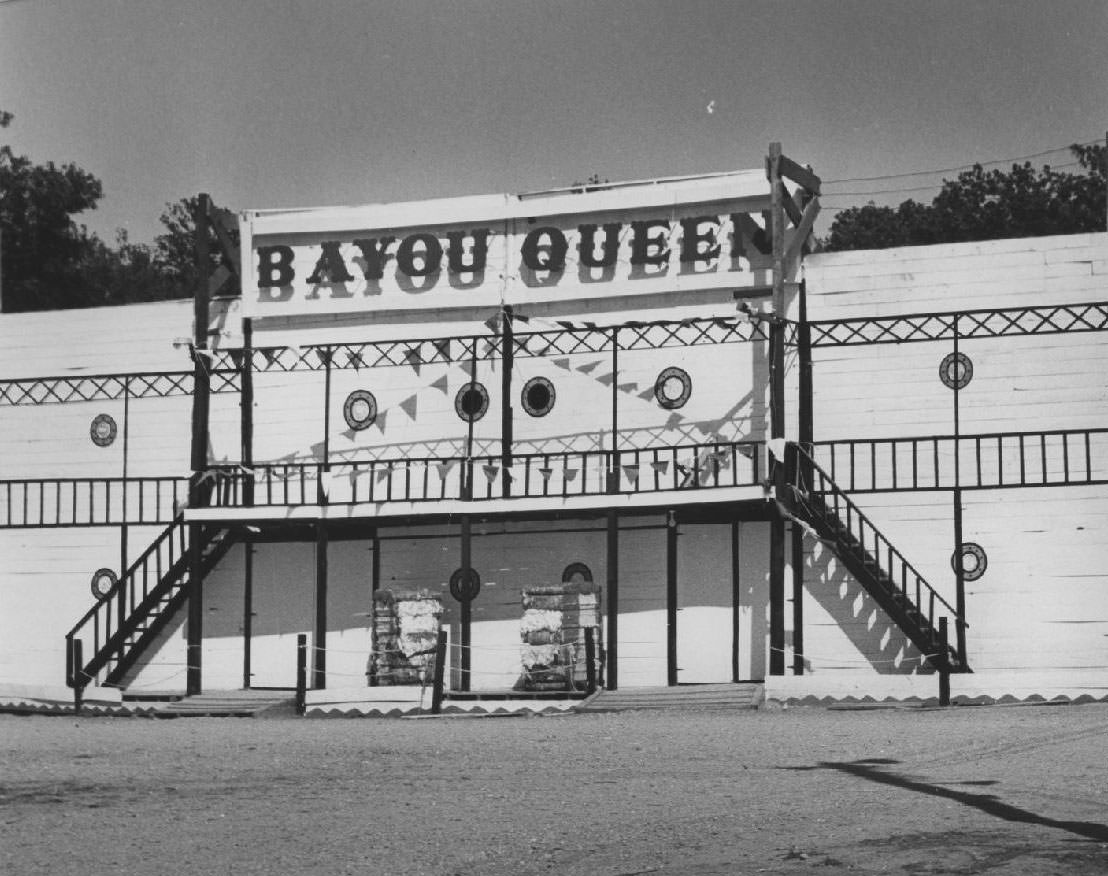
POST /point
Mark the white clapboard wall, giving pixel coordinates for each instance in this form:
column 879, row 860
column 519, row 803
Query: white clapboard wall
column 1042, row 602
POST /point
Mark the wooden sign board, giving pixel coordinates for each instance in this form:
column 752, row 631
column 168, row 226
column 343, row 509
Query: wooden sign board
column 623, row 239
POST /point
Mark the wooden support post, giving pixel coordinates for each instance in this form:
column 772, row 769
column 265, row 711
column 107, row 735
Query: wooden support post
column 466, row 619
column 507, row 340
column 613, row 471
column 944, row 664
column 959, row 570
column 246, row 405
column 671, row 599
column 195, row 635
column 319, row 651
column 77, row 671
column 797, row 562
column 613, row 599
column 247, row 607
column 324, row 481
column 301, row 673
column 777, row 412
column 590, row 661
column 437, row 683
column 736, row 599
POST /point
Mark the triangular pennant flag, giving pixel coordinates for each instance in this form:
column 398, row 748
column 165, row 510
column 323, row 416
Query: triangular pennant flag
column 348, row 434
column 592, row 326
column 776, row 446
column 441, row 385
column 490, row 348
column 546, row 472
column 509, row 473
column 324, row 354
column 383, row 473
column 519, row 317
column 607, row 379
column 444, row 470
column 317, row 449
column 632, row 473
column 568, row 326
column 588, row 367
column 561, row 363
column 237, row 356
column 412, row 357
column 295, row 350
column 647, row 393
column 269, row 355
column 493, row 323
column 325, row 482
column 443, row 347
column 629, row 387
column 491, row 471
column 380, row 421
column 355, row 360
column 570, row 473
column 674, row 420
column 353, row 477
column 661, row 466
column 409, row 406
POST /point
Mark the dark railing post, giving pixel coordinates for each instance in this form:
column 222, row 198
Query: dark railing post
column 78, row 670
column 590, row 661
column 301, row 673
column 437, row 678
column 944, row 664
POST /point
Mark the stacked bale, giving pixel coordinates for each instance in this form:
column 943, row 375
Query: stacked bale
column 405, row 630
column 553, row 632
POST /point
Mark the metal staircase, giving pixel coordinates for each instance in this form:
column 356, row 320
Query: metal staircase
column 107, row 641
column 882, row 571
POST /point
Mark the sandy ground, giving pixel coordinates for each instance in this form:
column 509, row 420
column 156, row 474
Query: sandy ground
column 999, row 790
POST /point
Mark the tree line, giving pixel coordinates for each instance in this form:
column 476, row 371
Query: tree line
column 49, row 261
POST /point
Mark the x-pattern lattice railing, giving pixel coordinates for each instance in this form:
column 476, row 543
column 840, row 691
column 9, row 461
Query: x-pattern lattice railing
column 98, row 387
column 1055, row 319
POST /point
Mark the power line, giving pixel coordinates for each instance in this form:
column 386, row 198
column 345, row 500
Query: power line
column 961, row 167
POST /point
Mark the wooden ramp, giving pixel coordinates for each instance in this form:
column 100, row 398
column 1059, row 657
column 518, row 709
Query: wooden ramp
column 231, row 704
column 686, row 697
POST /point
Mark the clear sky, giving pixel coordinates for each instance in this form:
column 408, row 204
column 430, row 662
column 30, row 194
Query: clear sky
column 281, row 103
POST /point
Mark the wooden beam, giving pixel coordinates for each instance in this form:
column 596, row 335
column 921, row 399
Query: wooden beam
column 612, row 681
column 800, row 175
column 247, row 607
column 791, row 208
column 222, row 220
column 803, row 230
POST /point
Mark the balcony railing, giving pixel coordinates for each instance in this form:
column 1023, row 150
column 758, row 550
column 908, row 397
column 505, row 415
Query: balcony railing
column 38, row 502
column 531, row 475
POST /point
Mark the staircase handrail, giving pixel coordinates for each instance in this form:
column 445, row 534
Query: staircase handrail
column 828, row 485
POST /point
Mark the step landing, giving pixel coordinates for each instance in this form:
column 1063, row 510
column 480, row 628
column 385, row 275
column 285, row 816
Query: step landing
column 686, row 697
column 231, row 704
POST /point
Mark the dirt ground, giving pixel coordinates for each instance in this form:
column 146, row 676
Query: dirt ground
column 998, row 790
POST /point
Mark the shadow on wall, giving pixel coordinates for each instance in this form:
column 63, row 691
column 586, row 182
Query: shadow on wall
column 879, row 642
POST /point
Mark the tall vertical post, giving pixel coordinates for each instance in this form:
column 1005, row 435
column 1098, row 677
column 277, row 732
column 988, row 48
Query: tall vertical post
column 301, row 673
column 671, row 599
column 319, row 651
column 247, row 607
column 246, row 411
column 123, row 533
column 466, row 620
column 613, row 471
column 736, row 599
column 323, row 484
column 507, row 359
column 777, row 413
column 613, row 598
column 959, row 571
column 944, row 664
column 200, row 408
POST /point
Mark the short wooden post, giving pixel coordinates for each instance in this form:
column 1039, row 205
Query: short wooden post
column 301, row 673
column 76, row 667
column 944, row 664
column 437, row 678
column 590, row 661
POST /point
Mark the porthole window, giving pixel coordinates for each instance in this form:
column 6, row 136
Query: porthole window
column 360, row 409
column 465, row 584
column 103, row 580
column 672, row 388
column 538, row 396
column 577, row 573
column 974, row 561
column 472, row 402
column 103, row 430
column 956, row 371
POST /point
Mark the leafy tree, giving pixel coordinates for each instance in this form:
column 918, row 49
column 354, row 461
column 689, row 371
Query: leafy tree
column 985, row 205
column 175, row 248
column 41, row 247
